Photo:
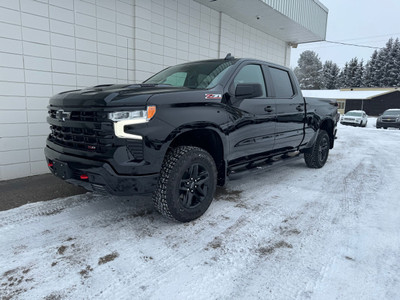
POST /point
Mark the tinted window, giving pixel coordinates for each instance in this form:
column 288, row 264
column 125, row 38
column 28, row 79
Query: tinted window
column 250, row 74
column 282, row 83
column 196, row 75
column 176, row 79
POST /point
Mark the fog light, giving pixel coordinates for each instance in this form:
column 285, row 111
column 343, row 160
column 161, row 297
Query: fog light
column 84, row 177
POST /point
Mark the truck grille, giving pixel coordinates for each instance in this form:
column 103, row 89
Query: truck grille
column 89, row 131
column 83, row 116
column 81, row 138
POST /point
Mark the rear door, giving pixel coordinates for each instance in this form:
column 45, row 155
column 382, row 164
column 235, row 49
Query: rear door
column 290, row 110
column 253, row 119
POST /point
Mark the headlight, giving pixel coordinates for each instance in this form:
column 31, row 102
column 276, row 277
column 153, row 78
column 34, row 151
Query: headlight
column 124, row 118
column 127, row 115
column 138, row 115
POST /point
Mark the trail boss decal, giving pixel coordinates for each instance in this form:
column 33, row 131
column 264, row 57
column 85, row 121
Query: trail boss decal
column 213, row 96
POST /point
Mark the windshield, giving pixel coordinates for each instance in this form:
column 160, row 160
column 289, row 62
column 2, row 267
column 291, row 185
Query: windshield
column 392, row 112
column 353, row 114
column 198, row 75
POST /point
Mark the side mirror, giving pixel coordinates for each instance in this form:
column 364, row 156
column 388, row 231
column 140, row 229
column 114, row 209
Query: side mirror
column 248, row 90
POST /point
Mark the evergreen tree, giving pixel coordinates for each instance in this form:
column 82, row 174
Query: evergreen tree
column 383, row 64
column 330, row 74
column 343, row 76
column 371, row 72
column 359, row 75
column 383, row 69
column 393, row 64
column 309, row 71
column 352, row 74
column 349, row 74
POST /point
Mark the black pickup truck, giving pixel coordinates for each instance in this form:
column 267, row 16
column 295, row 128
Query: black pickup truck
column 185, row 130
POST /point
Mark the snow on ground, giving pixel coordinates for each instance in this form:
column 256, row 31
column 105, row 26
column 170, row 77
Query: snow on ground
column 284, row 232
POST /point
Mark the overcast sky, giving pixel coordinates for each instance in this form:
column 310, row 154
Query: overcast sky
column 364, row 22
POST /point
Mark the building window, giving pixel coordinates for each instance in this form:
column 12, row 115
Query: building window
column 341, row 104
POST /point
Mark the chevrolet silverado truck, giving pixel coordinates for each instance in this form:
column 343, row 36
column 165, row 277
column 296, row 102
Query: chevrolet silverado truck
column 185, row 130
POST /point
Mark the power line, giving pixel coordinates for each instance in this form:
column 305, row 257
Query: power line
column 349, row 44
column 370, row 37
column 361, row 39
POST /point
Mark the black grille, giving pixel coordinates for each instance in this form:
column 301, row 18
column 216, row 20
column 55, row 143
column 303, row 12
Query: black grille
column 388, row 120
column 135, row 147
column 83, row 116
column 89, row 131
column 82, row 138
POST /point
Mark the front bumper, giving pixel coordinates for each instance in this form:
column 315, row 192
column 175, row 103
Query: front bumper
column 100, row 175
column 352, row 123
column 387, row 124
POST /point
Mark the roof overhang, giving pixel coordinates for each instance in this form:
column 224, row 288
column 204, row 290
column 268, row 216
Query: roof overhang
column 258, row 14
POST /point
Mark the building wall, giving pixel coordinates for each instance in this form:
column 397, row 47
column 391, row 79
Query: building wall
column 49, row 46
column 177, row 31
column 375, row 106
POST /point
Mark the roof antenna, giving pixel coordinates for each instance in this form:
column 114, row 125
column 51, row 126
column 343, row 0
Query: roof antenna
column 229, row 57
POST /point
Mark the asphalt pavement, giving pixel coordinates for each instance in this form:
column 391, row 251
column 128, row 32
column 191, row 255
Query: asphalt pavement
column 17, row 192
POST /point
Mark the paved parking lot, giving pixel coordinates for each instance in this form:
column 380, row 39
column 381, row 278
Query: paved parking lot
column 31, row 189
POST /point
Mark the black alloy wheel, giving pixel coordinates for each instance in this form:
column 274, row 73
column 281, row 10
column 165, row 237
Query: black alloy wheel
column 187, row 183
column 194, row 186
column 317, row 156
column 323, row 149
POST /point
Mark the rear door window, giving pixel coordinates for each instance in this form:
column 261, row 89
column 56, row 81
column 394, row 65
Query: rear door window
column 282, row 83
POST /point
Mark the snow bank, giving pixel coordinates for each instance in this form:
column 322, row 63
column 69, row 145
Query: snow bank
column 286, row 232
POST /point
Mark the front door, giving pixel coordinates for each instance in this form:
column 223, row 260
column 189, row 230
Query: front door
column 253, row 119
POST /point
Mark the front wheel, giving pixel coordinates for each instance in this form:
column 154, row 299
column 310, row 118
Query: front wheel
column 187, row 184
column 318, row 154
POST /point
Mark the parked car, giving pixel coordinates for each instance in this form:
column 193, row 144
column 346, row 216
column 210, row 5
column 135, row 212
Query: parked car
column 355, row 118
column 389, row 118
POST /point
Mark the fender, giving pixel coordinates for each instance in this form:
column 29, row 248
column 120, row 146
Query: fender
column 326, row 124
column 207, row 136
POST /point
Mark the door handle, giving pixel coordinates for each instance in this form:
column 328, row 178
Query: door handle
column 299, row 107
column 268, row 109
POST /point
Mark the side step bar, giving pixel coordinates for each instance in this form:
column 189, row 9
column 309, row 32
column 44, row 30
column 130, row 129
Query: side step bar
column 239, row 170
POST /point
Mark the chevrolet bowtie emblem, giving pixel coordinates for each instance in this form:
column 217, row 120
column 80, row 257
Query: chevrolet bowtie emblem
column 62, row 115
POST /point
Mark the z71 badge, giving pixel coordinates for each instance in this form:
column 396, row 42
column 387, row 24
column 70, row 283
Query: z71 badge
column 213, row 96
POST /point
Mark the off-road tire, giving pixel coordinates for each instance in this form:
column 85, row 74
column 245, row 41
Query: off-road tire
column 177, row 196
column 318, row 154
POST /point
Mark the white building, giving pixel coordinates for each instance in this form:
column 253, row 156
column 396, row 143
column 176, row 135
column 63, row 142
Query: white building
column 49, row 46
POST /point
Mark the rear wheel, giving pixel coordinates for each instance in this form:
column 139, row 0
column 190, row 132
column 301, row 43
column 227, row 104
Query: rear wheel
column 187, row 184
column 319, row 152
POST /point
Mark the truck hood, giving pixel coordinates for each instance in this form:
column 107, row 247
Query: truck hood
column 111, row 95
